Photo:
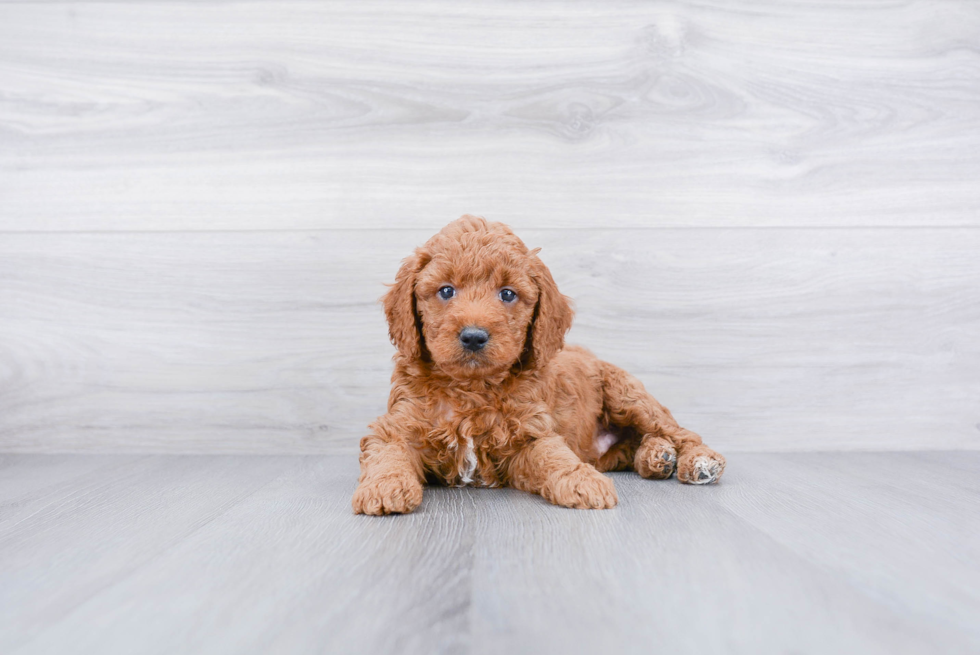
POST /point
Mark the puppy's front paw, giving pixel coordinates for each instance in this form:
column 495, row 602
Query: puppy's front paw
column 655, row 458
column 394, row 495
column 700, row 465
column 583, row 488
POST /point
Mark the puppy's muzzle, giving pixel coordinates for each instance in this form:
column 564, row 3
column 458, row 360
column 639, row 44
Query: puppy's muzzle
column 473, row 338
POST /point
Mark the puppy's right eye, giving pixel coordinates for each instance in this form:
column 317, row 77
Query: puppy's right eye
column 447, row 292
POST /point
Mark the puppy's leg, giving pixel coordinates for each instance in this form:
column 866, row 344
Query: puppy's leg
column 664, row 445
column 620, row 456
column 391, row 477
column 548, row 467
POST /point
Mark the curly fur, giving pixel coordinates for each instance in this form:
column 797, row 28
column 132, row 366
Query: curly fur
column 524, row 411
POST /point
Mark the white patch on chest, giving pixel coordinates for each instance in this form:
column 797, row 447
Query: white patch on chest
column 469, row 463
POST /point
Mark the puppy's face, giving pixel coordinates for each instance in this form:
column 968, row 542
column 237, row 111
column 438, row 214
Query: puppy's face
column 475, row 311
column 474, row 301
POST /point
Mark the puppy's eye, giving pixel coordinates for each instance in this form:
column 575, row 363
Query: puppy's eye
column 508, row 295
column 447, row 292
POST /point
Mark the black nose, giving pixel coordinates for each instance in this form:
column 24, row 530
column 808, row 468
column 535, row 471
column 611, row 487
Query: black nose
column 473, row 338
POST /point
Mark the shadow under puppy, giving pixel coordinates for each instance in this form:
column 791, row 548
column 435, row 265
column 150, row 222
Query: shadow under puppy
column 483, row 392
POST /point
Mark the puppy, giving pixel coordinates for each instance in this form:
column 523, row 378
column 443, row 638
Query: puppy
column 483, row 392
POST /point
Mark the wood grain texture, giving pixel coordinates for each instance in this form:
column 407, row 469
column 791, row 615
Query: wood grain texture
column 768, row 211
column 261, row 115
column 273, row 342
column 802, row 553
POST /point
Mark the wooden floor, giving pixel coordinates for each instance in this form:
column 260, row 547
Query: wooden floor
column 801, row 553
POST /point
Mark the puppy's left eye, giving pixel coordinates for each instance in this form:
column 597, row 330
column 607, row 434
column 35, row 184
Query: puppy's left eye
column 447, row 292
column 508, row 295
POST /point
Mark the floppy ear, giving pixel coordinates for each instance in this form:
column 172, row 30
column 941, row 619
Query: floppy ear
column 551, row 320
column 404, row 324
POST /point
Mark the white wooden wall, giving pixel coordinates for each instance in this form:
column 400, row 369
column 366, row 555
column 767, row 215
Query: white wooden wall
column 767, row 210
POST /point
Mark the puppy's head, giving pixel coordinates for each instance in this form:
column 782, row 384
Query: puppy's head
column 475, row 302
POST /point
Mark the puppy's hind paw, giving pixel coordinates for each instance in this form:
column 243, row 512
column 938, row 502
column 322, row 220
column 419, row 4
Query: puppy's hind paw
column 700, row 466
column 655, row 458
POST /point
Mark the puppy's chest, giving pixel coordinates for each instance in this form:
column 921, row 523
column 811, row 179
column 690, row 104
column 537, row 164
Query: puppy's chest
column 463, row 446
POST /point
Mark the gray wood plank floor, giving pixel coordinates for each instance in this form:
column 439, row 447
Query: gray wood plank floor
column 802, row 553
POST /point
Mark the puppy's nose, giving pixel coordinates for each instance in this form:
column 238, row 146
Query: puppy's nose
column 473, row 338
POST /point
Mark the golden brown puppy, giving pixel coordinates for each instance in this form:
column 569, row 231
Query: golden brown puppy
column 483, row 392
